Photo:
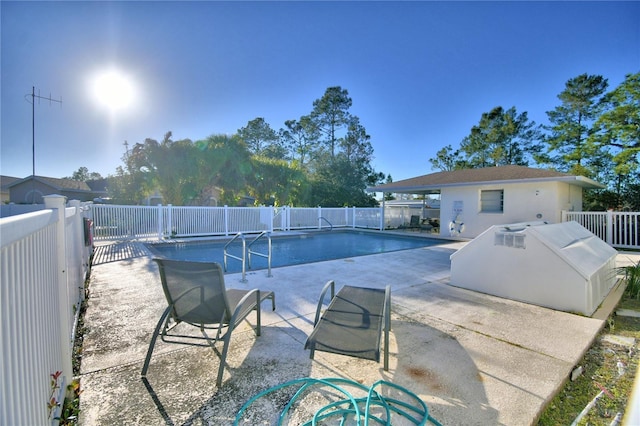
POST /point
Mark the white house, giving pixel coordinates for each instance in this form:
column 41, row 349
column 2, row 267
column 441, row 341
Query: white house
column 472, row 200
column 32, row 189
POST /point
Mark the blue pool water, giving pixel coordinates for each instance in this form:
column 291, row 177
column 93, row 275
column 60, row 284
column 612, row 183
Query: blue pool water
column 293, row 250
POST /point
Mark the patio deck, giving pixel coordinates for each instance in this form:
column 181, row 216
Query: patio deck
column 473, row 358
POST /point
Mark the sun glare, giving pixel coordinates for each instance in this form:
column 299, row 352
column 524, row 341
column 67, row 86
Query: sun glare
column 113, row 90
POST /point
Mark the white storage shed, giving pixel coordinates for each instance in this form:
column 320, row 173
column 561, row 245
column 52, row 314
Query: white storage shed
column 561, row 266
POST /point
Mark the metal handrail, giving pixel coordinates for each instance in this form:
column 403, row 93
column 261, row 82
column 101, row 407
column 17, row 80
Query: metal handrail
column 242, row 259
column 267, row 255
column 326, row 220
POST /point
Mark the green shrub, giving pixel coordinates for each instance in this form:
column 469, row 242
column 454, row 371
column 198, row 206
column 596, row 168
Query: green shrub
column 632, row 277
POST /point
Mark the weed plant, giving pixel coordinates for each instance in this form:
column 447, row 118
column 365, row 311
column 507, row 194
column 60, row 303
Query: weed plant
column 631, row 275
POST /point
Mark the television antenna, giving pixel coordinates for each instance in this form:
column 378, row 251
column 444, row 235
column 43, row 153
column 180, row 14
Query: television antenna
column 33, row 128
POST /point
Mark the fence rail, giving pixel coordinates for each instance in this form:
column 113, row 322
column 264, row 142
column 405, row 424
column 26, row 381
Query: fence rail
column 44, row 260
column 618, row 229
column 142, row 222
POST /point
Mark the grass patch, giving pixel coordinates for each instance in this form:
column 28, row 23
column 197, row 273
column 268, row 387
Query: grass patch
column 602, row 365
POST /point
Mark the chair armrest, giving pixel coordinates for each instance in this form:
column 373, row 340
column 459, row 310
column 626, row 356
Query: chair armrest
column 246, row 305
column 330, row 284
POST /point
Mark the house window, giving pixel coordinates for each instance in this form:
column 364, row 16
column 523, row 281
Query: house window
column 492, row 201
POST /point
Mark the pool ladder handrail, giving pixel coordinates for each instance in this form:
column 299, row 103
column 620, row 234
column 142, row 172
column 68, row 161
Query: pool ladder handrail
column 326, row 220
column 247, row 252
column 266, row 256
column 241, row 259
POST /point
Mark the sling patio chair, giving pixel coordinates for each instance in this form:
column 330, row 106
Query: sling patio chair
column 353, row 322
column 197, row 296
column 414, row 222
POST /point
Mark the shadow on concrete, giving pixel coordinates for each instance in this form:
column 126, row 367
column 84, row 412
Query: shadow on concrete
column 157, row 402
column 435, row 366
column 268, row 360
column 118, row 251
column 473, row 358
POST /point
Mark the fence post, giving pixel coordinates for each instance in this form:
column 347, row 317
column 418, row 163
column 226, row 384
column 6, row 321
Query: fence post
column 283, row 218
column 272, row 213
column 319, row 217
column 610, row 227
column 57, row 202
column 79, row 249
column 77, row 226
column 382, row 216
column 87, row 251
column 169, row 225
column 160, row 222
column 226, row 220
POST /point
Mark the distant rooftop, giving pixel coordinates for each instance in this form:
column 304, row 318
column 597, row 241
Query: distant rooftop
column 507, row 174
column 5, row 181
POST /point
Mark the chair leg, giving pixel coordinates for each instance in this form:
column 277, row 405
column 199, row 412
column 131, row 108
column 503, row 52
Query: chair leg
column 273, row 301
column 387, row 326
column 258, row 322
column 156, row 333
column 223, row 357
column 232, row 325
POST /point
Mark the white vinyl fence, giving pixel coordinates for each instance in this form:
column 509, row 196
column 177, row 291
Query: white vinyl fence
column 113, row 222
column 7, row 210
column 44, row 260
column 618, row 229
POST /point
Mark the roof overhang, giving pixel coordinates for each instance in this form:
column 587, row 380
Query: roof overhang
column 580, row 181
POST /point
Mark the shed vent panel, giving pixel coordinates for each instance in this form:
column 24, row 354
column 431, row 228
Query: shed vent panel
column 510, row 240
column 561, row 266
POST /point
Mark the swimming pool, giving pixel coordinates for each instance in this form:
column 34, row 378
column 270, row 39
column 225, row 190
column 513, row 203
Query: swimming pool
column 293, row 250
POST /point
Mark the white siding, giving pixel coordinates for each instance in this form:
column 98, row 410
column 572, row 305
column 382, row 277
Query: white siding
column 523, row 202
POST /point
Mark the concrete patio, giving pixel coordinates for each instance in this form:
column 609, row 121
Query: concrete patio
column 474, row 359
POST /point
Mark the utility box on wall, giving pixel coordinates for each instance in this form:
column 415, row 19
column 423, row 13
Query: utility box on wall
column 561, row 266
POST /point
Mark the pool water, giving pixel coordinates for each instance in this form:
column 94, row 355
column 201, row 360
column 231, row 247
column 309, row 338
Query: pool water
column 293, row 250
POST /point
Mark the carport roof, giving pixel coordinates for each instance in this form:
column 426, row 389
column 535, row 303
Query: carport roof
column 434, row 182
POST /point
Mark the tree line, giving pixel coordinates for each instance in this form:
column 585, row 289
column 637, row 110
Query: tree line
column 593, row 132
column 324, row 158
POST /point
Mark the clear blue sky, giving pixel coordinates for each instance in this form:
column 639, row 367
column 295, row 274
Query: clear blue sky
column 420, row 73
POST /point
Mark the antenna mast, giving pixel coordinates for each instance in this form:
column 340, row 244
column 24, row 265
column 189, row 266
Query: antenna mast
column 33, row 128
